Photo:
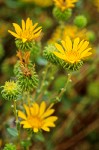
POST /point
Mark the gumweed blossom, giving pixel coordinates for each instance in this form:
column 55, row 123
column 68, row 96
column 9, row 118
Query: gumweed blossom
column 65, row 4
column 41, row 3
column 28, row 32
column 68, row 30
column 11, row 90
column 38, row 117
column 72, row 52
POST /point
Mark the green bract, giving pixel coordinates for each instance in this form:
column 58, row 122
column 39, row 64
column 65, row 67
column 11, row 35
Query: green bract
column 59, row 15
column 26, row 81
column 24, row 46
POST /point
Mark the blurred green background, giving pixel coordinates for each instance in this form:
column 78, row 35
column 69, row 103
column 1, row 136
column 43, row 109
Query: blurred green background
column 78, row 125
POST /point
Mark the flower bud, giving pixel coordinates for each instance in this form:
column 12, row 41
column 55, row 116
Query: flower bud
column 91, row 36
column 80, row 21
column 11, row 90
column 62, row 15
column 48, row 54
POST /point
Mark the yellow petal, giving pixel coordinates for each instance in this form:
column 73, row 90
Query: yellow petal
column 48, row 113
column 49, row 124
column 32, row 111
column 37, row 34
column 80, row 44
column 23, row 25
column 35, row 130
column 84, row 46
column 64, row 44
column 42, row 108
column 14, row 34
column 34, row 26
column 28, row 21
column 23, row 122
column 36, row 108
column 27, row 109
column 17, row 28
column 27, row 125
column 75, row 44
column 45, row 128
column 21, row 115
column 59, row 47
column 36, row 30
column 24, row 40
column 68, row 44
column 60, row 55
column 85, row 51
column 86, row 54
column 51, row 119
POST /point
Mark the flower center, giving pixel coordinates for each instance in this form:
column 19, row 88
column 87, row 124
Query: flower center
column 35, row 122
column 10, row 86
column 27, row 34
column 72, row 56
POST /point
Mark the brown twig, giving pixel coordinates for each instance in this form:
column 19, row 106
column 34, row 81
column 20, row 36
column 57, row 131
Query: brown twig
column 71, row 142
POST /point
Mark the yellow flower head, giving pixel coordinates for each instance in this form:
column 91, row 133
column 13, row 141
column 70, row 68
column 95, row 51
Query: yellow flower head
column 65, row 4
column 72, row 52
column 29, row 32
column 68, row 30
column 10, row 86
column 41, row 3
column 38, row 117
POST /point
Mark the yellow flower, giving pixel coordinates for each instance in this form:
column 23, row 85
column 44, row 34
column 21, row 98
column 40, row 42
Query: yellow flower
column 41, row 3
column 73, row 32
column 28, row 31
column 72, row 52
column 65, row 4
column 68, row 30
column 38, row 117
column 10, row 86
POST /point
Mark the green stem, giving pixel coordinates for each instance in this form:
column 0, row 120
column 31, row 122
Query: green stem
column 44, row 77
column 28, row 99
column 15, row 111
column 63, row 89
column 42, row 83
column 16, row 118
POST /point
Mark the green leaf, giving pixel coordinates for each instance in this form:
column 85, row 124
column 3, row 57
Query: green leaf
column 12, row 131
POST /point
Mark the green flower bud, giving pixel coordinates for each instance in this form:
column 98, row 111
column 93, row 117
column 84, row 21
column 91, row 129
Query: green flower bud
column 24, row 46
column 91, row 36
column 11, row 90
column 27, row 79
column 80, row 21
column 63, row 16
column 9, row 146
column 48, row 54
